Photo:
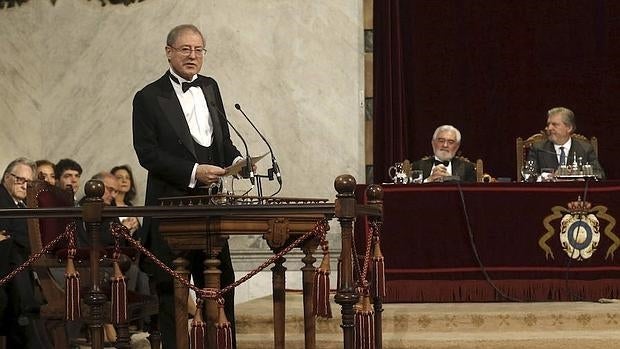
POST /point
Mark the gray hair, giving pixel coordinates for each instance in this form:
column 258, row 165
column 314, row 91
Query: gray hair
column 568, row 117
column 102, row 175
column 444, row 128
column 173, row 35
column 19, row 161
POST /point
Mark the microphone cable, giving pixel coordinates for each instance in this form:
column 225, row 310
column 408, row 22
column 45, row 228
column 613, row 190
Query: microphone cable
column 475, row 250
column 277, row 191
column 232, row 187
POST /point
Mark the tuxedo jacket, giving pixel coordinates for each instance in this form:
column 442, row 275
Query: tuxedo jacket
column 544, row 156
column 164, row 145
column 460, row 167
column 16, row 227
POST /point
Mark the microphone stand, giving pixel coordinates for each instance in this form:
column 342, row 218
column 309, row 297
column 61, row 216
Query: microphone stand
column 248, row 159
column 274, row 171
column 259, row 186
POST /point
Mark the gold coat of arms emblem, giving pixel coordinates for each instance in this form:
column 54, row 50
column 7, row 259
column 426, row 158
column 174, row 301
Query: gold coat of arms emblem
column 579, row 230
column 579, row 235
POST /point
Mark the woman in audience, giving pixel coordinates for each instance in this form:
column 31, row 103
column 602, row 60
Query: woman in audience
column 45, row 171
column 124, row 197
column 126, row 194
column 137, row 280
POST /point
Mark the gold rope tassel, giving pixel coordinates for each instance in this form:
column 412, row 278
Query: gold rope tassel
column 364, row 324
column 198, row 330
column 119, row 295
column 321, row 306
column 378, row 272
column 224, row 335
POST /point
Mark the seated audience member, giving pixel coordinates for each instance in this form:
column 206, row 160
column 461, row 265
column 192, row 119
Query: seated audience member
column 136, row 280
column 560, row 147
column 126, row 194
column 110, row 185
column 446, row 141
column 45, row 171
column 68, row 173
column 18, row 321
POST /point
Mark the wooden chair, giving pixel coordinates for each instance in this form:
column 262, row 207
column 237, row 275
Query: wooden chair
column 524, row 146
column 481, row 176
column 43, row 230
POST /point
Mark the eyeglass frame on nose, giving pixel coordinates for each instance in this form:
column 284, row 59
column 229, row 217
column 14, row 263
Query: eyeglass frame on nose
column 187, row 51
column 112, row 190
column 19, row 180
column 444, row 140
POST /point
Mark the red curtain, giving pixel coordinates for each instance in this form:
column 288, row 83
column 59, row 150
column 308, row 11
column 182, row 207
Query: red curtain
column 492, row 69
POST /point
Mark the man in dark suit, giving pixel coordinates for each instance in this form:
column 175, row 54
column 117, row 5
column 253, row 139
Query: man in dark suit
column 18, row 319
column 182, row 138
column 446, row 142
column 68, row 174
column 560, row 148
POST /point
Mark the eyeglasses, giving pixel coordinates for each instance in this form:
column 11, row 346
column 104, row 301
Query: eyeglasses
column 444, row 140
column 186, row 51
column 112, row 190
column 19, row 180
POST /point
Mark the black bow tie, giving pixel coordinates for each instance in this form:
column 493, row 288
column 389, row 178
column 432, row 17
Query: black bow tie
column 439, row 162
column 185, row 85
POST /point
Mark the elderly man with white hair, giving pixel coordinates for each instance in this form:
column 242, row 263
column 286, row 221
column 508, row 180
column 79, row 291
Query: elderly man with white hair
column 19, row 316
column 444, row 163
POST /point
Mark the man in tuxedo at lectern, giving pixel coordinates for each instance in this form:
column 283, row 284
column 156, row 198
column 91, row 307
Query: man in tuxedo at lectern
column 181, row 137
column 560, row 147
column 443, row 164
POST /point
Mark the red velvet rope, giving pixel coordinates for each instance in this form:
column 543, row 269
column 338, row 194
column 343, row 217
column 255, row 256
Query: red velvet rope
column 362, row 282
column 118, row 230
column 69, row 232
column 320, row 230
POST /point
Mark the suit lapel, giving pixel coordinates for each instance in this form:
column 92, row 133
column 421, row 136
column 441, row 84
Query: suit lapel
column 172, row 110
column 550, row 154
column 217, row 118
column 457, row 168
column 427, row 165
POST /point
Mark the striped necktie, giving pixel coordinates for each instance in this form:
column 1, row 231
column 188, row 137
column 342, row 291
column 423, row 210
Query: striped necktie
column 562, row 156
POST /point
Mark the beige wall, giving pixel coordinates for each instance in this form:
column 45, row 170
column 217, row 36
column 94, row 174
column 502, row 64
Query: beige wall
column 68, row 74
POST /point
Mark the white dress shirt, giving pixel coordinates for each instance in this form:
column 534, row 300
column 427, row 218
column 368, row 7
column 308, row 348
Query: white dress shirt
column 195, row 110
column 566, row 149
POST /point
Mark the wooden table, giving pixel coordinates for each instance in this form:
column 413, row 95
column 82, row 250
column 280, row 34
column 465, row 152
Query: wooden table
column 432, row 256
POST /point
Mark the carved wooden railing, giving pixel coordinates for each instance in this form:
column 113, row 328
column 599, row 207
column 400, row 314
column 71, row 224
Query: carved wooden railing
column 345, row 208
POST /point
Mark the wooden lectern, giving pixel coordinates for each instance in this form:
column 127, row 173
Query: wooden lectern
column 279, row 220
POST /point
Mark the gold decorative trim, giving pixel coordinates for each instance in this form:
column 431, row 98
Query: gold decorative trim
column 579, row 207
column 601, row 212
column 542, row 242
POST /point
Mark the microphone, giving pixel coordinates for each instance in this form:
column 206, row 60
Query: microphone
column 275, row 169
column 245, row 145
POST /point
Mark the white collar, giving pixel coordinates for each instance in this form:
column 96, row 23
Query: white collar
column 180, row 79
column 565, row 145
